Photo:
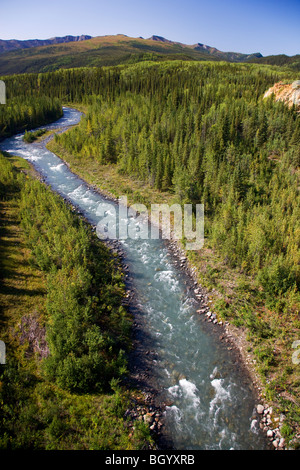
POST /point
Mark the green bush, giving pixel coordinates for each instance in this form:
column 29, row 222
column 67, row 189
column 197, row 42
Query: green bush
column 277, row 277
column 30, row 137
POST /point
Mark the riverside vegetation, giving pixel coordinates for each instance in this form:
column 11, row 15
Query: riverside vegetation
column 62, row 319
column 202, row 133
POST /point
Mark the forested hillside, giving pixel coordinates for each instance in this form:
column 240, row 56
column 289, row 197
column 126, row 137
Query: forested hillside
column 282, row 60
column 203, row 133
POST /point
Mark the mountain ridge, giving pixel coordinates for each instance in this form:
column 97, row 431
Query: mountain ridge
column 7, row 45
column 205, row 48
column 34, row 56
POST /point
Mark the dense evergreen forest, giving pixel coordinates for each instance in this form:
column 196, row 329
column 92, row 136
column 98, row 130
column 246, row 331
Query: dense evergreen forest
column 22, row 113
column 203, row 133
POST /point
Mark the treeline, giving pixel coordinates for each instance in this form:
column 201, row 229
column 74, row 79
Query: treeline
column 281, row 60
column 27, row 112
column 205, row 133
column 147, row 78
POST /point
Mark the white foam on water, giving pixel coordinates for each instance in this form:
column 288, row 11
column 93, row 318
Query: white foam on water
column 145, row 259
column 143, row 250
column 254, row 426
column 214, row 373
column 190, row 392
column 221, row 394
column 175, row 391
column 219, row 401
column 31, row 154
column 32, row 158
column 88, row 200
column 187, row 408
column 168, row 323
column 164, row 260
column 186, row 308
column 58, row 167
column 175, row 414
column 78, row 193
column 227, row 437
column 83, row 196
column 222, row 437
column 167, row 277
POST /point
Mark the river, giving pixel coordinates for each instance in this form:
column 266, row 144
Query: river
column 211, row 400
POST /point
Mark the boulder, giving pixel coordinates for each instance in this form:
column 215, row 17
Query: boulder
column 275, row 443
column 148, row 418
column 282, row 442
column 296, row 84
column 260, row 409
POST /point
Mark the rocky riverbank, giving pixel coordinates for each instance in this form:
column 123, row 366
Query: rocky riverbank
column 149, row 408
column 271, row 425
column 265, row 418
column 141, row 369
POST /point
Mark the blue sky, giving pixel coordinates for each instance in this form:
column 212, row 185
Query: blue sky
column 269, row 27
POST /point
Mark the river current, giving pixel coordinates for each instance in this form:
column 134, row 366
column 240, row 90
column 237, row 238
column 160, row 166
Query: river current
column 211, row 401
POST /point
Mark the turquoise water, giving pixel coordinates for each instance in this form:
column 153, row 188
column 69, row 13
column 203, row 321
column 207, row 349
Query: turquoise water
column 210, row 399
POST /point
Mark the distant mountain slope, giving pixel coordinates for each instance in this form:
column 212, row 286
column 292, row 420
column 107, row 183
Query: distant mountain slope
column 282, row 60
column 204, row 49
column 231, row 56
column 84, row 51
column 7, row 45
